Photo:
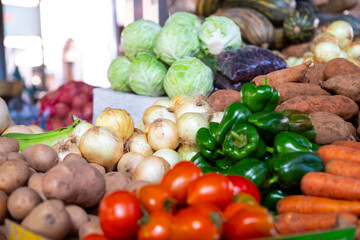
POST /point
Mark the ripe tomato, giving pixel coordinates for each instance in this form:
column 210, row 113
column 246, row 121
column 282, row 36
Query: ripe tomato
column 243, row 185
column 155, row 198
column 197, row 222
column 158, row 227
column 250, row 222
column 211, row 188
column 234, row 207
column 118, row 213
column 94, row 236
column 179, row 178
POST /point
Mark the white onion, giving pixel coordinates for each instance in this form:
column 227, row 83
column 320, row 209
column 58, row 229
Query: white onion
column 186, row 152
column 196, row 104
column 343, row 54
column 353, row 50
column 323, row 37
column 217, row 117
column 162, row 133
column 17, row 129
column 35, row 129
column 170, row 155
column 138, row 143
column 65, row 147
column 291, row 60
column 128, row 163
column 343, row 31
column 165, row 102
column 175, row 100
column 188, row 125
column 151, row 169
column 325, row 51
column 4, row 115
column 155, row 112
column 140, row 125
column 103, row 146
column 79, row 131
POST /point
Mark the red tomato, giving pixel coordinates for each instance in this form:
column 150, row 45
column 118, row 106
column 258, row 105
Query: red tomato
column 197, row 222
column 211, row 188
column 179, row 178
column 245, row 197
column 94, row 236
column 234, row 207
column 155, row 198
column 119, row 213
column 244, row 185
column 250, row 222
column 158, row 227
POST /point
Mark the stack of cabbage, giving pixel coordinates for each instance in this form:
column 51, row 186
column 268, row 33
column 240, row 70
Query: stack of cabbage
column 161, row 60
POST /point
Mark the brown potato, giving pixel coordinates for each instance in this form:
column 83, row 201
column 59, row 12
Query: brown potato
column 115, row 181
column 22, row 201
column 8, row 144
column 3, row 206
column 13, row 174
column 93, row 217
column 75, row 157
column 90, row 227
column 98, row 167
column 135, row 186
column 48, row 219
column 41, row 157
column 3, row 158
column 78, row 218
column 74, row 182
column 35, row 183
column 15, row 155
column 3, row 232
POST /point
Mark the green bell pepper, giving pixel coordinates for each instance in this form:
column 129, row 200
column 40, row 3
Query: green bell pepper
column 241, row 143
column 206, row 143
column 234, row 113
column 271, row 197
column 261, row 98
column 251, row 168
column 300, row 123
column 200, row 161
column 285, row 142
column 269, row 124
column 289, row 168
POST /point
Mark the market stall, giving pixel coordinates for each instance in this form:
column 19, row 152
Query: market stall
column 230, row 120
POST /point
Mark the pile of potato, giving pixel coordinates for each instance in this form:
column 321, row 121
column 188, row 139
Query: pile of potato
column 50, row 198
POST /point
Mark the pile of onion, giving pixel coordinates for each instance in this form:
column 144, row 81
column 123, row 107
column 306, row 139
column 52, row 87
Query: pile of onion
column 4, row 115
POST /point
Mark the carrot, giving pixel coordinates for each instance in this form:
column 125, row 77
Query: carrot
column 331, row 186
column 328, row 152
column 347, row 144
column 292, row 74
column 343, row 168
column 309, row 204
column 301, row 222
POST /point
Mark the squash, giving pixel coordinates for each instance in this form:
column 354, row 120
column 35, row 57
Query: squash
column 275, row 10
column 300, row 26
column 254, row 26
column 206, row 7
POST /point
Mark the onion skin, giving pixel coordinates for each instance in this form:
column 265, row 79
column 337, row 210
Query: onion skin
column 155, row 112
column 343, row 31
column 151, row 169
column 163, row 133
column 103, row 146
column 197, row 104
column 138, row 143
column 128, row 162
column 4, row 115
column 186, row 152
column 325, row 51
column 188, row 125
column 170, row 155
column 165, row 102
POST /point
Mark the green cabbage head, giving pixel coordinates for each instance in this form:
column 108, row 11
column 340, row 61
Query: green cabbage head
column 188, row 76
column 184, row 18
column 118, row 74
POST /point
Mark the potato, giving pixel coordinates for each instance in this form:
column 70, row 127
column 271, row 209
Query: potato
column 344, row 84
column 74, row 181
column 93, row 217
column 41, row 157
column 339, row 66
column 315, row 74
column 75, row 157
column 48, row 219
column 78, row 218
column 291, row 89
column 98, row 167
column 15, row 155
column 90, row 227
column 135, row 186
column 13, row 174
column 330, row 128
column 8, row 144
column 220, row 99
column 35, row 183
column 22, row 201
column 3, row 232
column 3, row 158
column 339, row 105
column 3, row 206
column 115, row 181
column 32, row 171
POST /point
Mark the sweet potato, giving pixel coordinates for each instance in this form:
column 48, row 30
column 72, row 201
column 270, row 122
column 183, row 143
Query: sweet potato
column 296, row 50
column 346, row 84
column 330, row 128
column 291, row 89
column 292, row 74
column 339, row 105
column 315, row 74
column 220, row 99
column 74, row 181
column 339, row 66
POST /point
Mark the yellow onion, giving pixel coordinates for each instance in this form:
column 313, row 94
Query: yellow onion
column 65, row 147
column 79, row 130
column 162, row 133
column 4, row 115
column 325, row 51
column 353, row 50
column 155, row 112
column 128, row 162
column 170, row 155
column 193, row 104
column 189, row 123
column 118, row 120
column 138, row 143
column 103, row 146
column 17, row 129
column 217, row 117
column 186, row 152
column 343, row 31
column 165, row 102
column 140, row 126
column 323, row 37
column 151, row 169
column 175, row 100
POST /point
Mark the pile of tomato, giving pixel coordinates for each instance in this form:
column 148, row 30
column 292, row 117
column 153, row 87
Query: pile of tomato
column 186, row 204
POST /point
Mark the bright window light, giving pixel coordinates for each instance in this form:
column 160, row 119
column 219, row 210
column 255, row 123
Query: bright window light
column 21, row 3
column 22, row 42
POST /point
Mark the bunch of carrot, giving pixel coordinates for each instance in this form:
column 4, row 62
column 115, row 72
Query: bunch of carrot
column 327, row 195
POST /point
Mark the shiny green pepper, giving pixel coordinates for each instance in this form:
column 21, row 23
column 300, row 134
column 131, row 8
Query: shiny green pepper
column 206, row 143
column 300, row 123
column 292, row 142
